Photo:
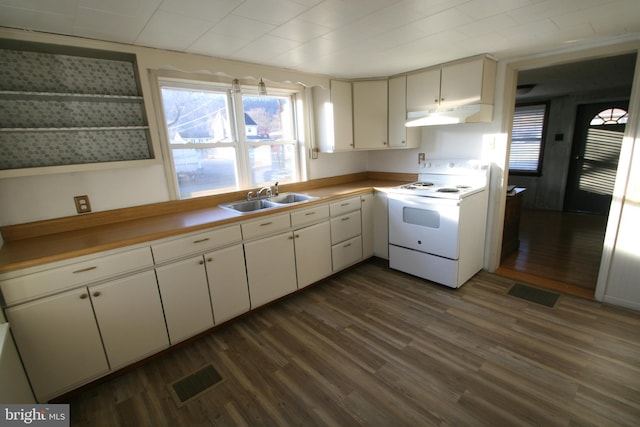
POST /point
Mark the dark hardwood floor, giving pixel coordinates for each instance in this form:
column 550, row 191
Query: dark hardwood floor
column 377, row 347
column 558, row 250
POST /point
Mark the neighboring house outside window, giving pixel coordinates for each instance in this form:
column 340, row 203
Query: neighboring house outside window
column 527, row 139
column 220, row 141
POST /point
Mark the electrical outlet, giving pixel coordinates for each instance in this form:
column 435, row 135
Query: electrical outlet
column 421, row 157
column 82, row 204
column 314, row 153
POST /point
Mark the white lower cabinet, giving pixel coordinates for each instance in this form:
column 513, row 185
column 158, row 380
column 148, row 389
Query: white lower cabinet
column 129, row 313
column 185, row 298
column 62, row 346
column 366, row 209
column 227, row 283
column 346, row 253
column 313, row 253
column 59, row 342
column 271, row 268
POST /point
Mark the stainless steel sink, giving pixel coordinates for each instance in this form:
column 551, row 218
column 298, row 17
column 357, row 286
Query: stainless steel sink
column 249, row 205
column 286, row 198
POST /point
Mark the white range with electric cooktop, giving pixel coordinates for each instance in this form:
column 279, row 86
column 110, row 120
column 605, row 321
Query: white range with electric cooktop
column 437, row 225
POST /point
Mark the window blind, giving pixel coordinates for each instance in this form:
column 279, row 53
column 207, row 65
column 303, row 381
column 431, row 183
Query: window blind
column 527, row 138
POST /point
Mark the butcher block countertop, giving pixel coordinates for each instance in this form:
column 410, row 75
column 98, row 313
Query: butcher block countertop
column 37, row 243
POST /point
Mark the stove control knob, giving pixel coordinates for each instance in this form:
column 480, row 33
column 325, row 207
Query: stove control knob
column 450, row 165
column 427, row 165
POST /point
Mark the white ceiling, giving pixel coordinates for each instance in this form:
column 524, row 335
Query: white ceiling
column 340, row 38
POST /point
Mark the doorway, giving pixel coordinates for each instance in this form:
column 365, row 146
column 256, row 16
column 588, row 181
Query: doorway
column 561, row 244
column 599, row 130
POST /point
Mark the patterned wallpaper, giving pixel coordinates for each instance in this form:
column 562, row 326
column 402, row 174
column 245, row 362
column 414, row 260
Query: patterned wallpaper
column 30, row 134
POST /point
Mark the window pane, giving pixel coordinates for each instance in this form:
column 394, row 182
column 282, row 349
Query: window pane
column 196, row 116
column 205, row 171
column 268, row 118
column 526, row 138
column 270, row 163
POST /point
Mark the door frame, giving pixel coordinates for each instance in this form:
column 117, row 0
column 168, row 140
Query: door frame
column 510, row 70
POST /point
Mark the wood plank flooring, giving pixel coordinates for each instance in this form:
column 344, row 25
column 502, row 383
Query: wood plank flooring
column 375, row 347
column 558, row 250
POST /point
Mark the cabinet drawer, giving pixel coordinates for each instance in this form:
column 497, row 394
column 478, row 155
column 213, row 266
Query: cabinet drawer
column 307, row 216
column 346, row 253
column 23, row 288
column 196, row 243
column 345, row 227
column 345, row 205
column 266, row 225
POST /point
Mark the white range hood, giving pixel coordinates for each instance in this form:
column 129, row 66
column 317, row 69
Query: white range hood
column 472, row 113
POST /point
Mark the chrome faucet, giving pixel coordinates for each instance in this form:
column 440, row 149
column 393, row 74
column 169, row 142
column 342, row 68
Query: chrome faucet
column 250, row 195
column 264, row 192
column 275, row 189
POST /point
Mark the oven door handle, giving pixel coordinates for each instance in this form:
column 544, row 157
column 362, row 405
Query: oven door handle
column 423, row 200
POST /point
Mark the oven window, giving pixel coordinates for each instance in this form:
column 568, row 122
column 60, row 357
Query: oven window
column 421, row 217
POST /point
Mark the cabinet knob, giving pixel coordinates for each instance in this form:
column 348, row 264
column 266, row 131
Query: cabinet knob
column 297, row 236
column 201, row 262
column 83, row 296
column 384, row 142
column 209, row 259
column 97, row 293
column 403, row 142
column 290, row 237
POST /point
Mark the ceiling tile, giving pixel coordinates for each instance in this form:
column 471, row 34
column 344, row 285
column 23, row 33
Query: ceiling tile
column 241, row 27
column 300, row 30
column 35, row 20
column 217, row 44
column 480, row 9
column 206, row 10
column 273, row 12
column 171, row 31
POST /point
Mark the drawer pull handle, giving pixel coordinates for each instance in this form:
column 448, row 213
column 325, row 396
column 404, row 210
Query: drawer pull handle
column 347, row 245
column 83, row 270
column 97, row 294
column 266, row 223
column 83, row 296
column 201, row 240
column 346, row 218
column 310, row 213
column 345, row 204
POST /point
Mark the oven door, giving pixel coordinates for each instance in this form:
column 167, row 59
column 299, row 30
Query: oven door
column 424, row 224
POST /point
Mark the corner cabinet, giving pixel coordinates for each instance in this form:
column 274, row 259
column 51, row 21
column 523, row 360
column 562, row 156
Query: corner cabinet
column 370, row 115
column 400, row 136
column 333, row 113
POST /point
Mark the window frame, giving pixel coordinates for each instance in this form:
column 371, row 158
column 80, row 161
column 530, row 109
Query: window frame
column 543, row 139
column 295, row 93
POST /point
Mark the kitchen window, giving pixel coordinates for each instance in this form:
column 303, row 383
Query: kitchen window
column 527, row 139
column 219, row 141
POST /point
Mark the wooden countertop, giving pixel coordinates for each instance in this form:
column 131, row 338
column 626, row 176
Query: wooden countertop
column 29, row 245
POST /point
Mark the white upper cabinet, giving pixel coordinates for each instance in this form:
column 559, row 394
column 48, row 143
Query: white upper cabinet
column 451, row 85
column 370, row 115
column 333, row 111
column 400, row 136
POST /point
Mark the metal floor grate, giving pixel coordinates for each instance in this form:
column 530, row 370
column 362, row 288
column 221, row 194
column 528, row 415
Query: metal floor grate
column 195, row 384
column 532, row 294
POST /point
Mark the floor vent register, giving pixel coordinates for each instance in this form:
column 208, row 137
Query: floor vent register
column 193, row 385
column 538, row 296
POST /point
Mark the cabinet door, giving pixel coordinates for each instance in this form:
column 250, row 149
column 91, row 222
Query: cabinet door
column 346, row 253
column 129, row 314
column 342, row 117
column 185, row 298
column 400, row 136
column 367, row 225
column 423, row 90
column 370, row 114
column 461, row 83
column 59, row 342
column 227, row 283
column 271, row 268
column 313, row 253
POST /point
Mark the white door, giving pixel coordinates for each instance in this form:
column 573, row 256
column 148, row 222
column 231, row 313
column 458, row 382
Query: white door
column 129, row 314
column 227, row 283
column 271, row 268
column 59, row 342
column 185, row 298
column 313, row 253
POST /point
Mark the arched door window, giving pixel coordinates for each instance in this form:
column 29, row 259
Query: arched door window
column 610, row 116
